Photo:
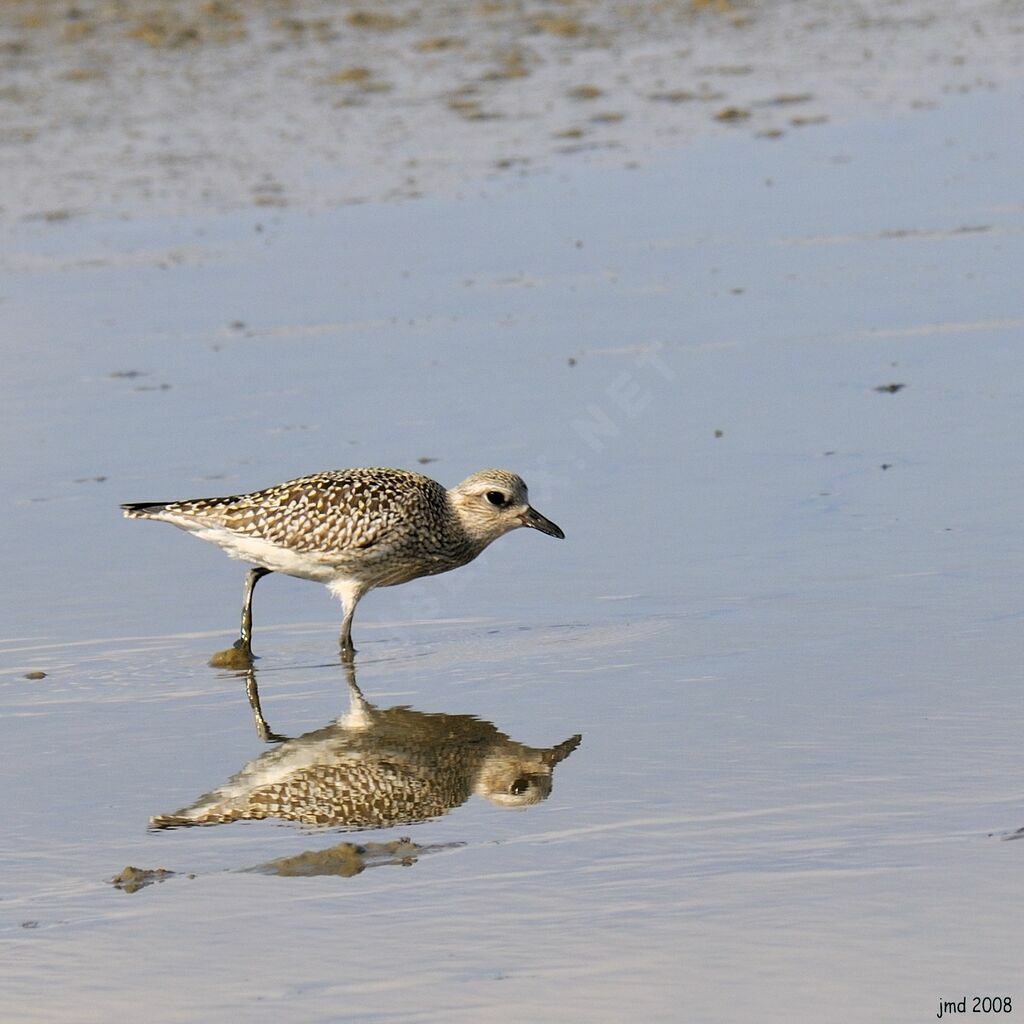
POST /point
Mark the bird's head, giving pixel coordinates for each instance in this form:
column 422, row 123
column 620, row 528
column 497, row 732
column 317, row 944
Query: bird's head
column 493, row 502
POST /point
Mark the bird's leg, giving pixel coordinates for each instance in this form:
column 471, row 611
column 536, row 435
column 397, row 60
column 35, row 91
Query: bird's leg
column 347, row 591
column 345, row 640
column 252, row 577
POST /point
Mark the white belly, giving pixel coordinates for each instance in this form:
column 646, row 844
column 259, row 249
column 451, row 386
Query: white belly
column 305, row 565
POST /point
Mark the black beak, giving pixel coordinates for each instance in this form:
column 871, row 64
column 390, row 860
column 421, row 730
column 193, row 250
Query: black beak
column 532, row 518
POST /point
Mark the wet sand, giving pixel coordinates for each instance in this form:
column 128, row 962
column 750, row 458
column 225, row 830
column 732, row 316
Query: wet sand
column 169, row 107
column 770, row 388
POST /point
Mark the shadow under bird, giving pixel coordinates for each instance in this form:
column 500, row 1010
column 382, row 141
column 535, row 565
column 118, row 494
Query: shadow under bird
column 377, row 768
column 354, row 529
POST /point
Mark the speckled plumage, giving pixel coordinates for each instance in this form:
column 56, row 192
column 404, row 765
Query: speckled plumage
column 355, row 529
column 376, row 768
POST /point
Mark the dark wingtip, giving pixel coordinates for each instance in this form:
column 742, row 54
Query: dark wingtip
column 142, row 509
column 158, row 821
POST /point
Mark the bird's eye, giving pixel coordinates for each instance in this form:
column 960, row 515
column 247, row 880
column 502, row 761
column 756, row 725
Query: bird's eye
column 496, row 498
column 519, row 786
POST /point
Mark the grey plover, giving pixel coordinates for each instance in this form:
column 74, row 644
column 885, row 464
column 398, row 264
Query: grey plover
column 354, row 529
column 377, row 768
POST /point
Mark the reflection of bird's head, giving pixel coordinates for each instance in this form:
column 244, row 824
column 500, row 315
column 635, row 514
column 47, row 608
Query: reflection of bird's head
column 521, row 777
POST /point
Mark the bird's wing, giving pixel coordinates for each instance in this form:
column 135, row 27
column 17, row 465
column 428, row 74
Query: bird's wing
column 335, row 512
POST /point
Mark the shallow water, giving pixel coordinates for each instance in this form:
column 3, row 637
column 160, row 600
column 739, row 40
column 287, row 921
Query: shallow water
column 785, row 620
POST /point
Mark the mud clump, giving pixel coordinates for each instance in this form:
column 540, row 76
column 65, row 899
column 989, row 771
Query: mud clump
column 344, row 860
column 585, row 92
column 132, row 879
column 233, row 658
column 376, row 20
column 732, row 114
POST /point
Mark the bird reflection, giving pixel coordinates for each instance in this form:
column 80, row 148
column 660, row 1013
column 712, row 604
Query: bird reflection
column 376, row 768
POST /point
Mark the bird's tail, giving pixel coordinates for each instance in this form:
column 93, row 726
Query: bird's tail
column 190, row 816
column 143, row 509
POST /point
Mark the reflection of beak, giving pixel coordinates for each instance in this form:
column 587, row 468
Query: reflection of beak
column 562, row 751
column 532, row 518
